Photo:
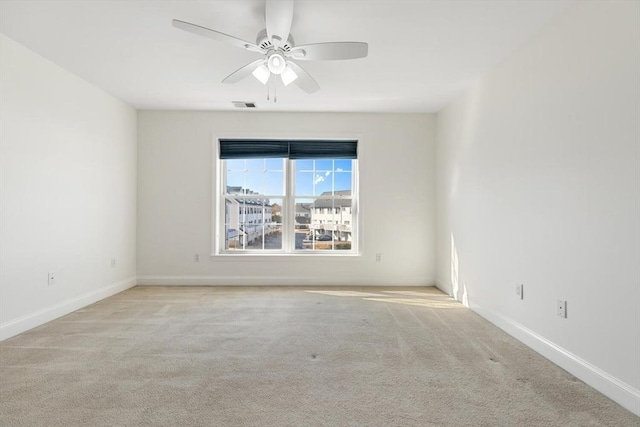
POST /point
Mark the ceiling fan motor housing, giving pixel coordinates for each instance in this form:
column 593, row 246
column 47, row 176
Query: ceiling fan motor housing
column 264, row 43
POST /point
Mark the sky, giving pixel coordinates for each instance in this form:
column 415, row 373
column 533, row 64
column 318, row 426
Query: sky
column 312, row 177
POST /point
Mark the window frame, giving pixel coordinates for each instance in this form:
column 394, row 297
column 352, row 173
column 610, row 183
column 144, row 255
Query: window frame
column 288, row 208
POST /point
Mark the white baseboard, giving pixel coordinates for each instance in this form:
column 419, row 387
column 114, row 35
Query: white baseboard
column 30, row 321
column 616, row 390
column 276, row 281
column 441, row 286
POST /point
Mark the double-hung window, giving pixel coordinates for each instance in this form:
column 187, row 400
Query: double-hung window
column 287, row 196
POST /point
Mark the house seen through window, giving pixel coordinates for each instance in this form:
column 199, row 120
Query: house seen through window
column 299, row 197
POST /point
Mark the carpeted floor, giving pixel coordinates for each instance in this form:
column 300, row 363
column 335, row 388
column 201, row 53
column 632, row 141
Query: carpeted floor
column 200, row 356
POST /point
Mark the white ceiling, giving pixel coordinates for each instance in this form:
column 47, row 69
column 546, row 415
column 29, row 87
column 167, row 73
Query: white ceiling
column 422, row 54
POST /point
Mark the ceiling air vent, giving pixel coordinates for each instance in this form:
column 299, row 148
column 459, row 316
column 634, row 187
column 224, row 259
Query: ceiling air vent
column 243, row 104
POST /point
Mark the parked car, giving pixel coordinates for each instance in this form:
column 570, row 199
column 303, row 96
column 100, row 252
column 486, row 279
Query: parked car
column 318, row 237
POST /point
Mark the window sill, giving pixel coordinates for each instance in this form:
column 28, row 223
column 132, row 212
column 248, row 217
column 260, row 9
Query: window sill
column 284, row 257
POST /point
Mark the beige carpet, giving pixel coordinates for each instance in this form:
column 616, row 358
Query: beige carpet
column 174, row 356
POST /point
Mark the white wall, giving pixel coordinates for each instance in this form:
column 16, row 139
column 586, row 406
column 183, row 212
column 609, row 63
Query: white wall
column 538, row 183
column 68, row 191
column 397, row 194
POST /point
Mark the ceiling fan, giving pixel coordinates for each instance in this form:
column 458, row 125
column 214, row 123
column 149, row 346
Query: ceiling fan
column 276, row 45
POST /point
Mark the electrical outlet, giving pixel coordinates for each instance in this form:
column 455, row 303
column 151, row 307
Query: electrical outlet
column 113, row 263
column 561, row 309
column 520, row 291
column 378, row 257
column 196, row 258
column 51, row 279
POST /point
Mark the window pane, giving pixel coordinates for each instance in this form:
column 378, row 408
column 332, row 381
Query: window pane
column 233, row 222
column 254, row 183
column 324, row 165
column 342, row 165
column 253, row 224
column 304, row 165
column 324, row 224
column 275, row 164
column 304, row 184
column 303, row 209
column 323, row 183
column 274, row 183
column 276, row 211
column 235, row 180
column 342, row 182
column 255, row 164
column 235, row 165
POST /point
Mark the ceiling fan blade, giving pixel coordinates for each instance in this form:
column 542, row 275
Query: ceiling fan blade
column 329, row 51
column 304, row 80
column 278, row 17
column 242, row 72
column 216, row 35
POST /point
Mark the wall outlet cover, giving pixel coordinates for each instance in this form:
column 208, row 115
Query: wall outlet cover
column 561, row 309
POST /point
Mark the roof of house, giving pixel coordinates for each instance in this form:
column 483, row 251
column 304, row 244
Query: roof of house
column 321, row 203
column 241, row 191
column 303, row 208
column 251, row 202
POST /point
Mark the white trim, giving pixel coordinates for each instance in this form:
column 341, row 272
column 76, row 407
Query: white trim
column 615, row 389
column 30, row 321
column 441, row 287
column 280, row 256
column 277, row 281
column 288, row 210
column 217, row 208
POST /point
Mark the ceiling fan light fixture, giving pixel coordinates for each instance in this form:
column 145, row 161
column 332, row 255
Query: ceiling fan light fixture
column 288, row 75
column 276, row 63
column 262, row 73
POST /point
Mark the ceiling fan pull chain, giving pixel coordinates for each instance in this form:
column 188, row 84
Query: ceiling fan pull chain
column 275, row 93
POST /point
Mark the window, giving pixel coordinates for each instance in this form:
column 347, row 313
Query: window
column 287, row 197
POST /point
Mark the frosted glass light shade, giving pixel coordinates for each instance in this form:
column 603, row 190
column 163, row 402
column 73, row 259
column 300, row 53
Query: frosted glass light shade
column 276, row 63
column 262, row 74
column 288, row 75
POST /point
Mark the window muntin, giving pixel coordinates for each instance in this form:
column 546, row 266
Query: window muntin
column 289, row 206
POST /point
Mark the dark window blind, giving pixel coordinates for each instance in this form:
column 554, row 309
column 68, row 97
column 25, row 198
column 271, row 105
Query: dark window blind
column 291, row 149
column 248, row 148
